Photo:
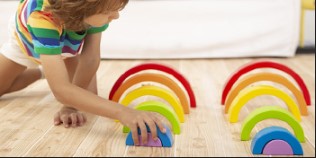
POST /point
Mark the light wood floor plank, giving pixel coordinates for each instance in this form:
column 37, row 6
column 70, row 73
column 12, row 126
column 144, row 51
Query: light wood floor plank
column 27, row 116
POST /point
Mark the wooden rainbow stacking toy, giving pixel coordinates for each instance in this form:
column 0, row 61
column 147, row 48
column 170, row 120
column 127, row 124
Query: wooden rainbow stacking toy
column 175, row 96
column 271, row 140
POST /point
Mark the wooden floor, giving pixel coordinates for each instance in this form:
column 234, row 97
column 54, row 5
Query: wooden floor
column 26, row 126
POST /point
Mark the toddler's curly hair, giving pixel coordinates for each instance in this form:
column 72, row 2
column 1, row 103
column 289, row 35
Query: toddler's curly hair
column 71, row 13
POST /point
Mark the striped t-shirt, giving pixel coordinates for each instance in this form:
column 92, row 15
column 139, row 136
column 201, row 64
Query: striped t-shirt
column 38, row 34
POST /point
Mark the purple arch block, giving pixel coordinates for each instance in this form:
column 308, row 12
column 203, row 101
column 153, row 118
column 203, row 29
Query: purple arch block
column 277, row 147
column 150, row 141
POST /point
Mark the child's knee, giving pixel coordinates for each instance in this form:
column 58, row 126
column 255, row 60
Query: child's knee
column 3, row 88
column 1, row 93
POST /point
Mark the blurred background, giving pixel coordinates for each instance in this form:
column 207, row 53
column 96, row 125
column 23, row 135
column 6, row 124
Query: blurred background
column 183, row 29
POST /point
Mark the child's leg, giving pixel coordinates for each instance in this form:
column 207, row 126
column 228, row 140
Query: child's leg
column 25, row 79
column 9, row 71
column 15, row 76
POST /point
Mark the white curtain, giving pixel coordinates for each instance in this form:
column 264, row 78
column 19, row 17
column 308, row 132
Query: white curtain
column 168, row 29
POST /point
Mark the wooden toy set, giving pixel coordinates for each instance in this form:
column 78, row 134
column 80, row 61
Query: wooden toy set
column 271, row 140
column 179, row 103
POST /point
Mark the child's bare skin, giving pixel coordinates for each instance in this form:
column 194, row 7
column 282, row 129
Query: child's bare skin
column 72, row 80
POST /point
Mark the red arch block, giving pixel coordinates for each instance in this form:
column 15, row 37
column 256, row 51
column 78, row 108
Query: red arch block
column 265, row 64
column 159, row 67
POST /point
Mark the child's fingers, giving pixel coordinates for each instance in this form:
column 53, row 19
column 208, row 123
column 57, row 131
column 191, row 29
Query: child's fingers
column 160, row 124
column 153, row 128
column 135, row 134
column 57, row 120
column 143, row 130
column 84, row 118
column 81, row 119
column 65, row 120
column 74, row 119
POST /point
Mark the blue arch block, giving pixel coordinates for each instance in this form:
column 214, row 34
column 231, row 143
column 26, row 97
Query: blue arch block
column 275, row 133
column 165, row 138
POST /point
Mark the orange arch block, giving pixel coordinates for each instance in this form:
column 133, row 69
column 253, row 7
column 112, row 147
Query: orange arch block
column 265, row 76
column 159, row 78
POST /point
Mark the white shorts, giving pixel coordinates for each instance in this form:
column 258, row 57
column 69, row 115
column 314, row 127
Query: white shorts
column 12, row 50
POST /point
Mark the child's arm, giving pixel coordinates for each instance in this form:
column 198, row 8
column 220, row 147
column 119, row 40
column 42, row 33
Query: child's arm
column 89, row 61
column 84, row 76
column 46, row 40
column 81, row 99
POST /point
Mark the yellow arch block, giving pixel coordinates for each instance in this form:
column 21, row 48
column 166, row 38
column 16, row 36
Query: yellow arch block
column 158, row 92
column 153, row 77
column 255, row 91
column 266, row 76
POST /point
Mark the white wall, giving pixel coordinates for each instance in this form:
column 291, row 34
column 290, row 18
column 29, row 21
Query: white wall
column 204, row 29
column 176, row 27
column 310, row 29
column 7, row 8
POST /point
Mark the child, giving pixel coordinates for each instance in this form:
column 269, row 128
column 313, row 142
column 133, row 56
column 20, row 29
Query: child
column 63, row 36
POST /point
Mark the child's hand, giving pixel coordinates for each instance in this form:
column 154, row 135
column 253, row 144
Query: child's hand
column 134, row 119
column 69, row 117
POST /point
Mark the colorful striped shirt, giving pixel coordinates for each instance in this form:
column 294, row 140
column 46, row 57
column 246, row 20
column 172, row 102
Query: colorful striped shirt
column 38, row 34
